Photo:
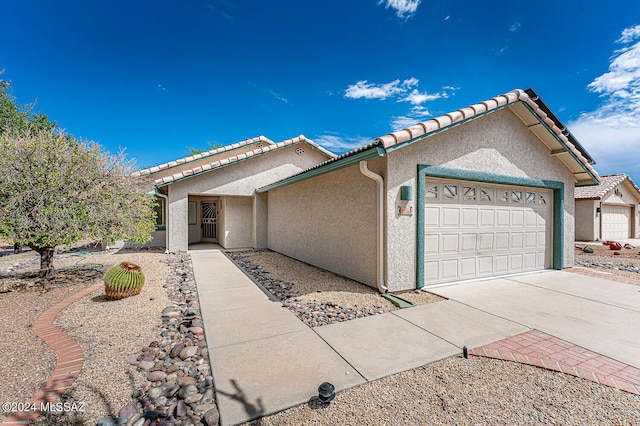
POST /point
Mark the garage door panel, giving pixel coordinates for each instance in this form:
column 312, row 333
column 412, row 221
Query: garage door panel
column 431, row 244
column 517, row 240
column 486, row 231
column 468, row 242
column 530, row 260
column 485, row 242
column 487, row 217
column 469, row 218
column 502, row 240
column 485, row 265
column 501, row 264
column 517, row 218
column 468, row 267
column 531, row 240
column 450, row 243
column 432, row 216
column 449, row 269
column 503, row 218
column 450, row 217
column 531, row 218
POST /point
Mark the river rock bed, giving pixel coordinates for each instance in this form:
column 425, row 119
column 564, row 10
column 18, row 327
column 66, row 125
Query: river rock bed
column 623, row 264
column 179, row 390
column 312, row 313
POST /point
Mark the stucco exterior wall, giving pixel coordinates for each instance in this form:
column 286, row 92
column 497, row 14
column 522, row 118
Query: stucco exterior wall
column 328, row 221
column 260, row 219
column 237, row 226
column 496, row 143
column 239, row 179
column 587, row 224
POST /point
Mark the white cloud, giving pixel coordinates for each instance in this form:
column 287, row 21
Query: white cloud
column 340, row 143
column 162, row 88
column 514, row 27
column 629, row 34
column 417, row 98
column 364, row 89
column 611, row 133
column 446, row 18
column 417, row 114
column 403, row 8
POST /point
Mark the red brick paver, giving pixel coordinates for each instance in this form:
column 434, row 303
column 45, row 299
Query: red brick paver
column 542, row 350
column 69, row 359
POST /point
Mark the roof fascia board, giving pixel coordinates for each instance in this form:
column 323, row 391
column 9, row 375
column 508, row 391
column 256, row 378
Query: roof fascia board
column 369, row 154
column 595, row 180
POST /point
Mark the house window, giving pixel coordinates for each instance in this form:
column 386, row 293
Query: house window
column 161, row 213
column 192, row 213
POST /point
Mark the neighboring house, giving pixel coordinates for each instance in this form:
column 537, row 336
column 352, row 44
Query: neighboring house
column 483, row 191
column 609, row 211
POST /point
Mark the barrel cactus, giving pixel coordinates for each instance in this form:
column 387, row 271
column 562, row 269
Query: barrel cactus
column 123, row 280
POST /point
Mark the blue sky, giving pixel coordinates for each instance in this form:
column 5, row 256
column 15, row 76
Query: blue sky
column 156, row 76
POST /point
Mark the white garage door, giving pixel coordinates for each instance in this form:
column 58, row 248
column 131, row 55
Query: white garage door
column 616, row 222
column 479, row 230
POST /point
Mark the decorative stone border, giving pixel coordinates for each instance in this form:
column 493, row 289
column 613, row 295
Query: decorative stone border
column 589, row 272
column 542, row 350
column 69, row 359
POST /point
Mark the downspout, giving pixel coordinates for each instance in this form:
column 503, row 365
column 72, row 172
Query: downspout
column 380, row 227
column 166, row 225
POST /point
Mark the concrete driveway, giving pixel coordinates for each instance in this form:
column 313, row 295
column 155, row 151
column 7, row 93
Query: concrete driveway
column 600, row 315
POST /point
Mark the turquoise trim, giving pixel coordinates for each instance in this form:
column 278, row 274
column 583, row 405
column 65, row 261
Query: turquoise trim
column 369, row 154
column 466, row 175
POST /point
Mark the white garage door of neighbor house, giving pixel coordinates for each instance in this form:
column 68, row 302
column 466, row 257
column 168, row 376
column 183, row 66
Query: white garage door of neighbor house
column 475, row 230
column 616, row 222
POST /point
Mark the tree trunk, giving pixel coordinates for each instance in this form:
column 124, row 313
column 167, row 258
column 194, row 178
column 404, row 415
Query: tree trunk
column 46, row 260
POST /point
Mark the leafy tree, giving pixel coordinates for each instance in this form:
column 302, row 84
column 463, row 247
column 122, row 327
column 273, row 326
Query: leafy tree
column 210, row 146
column 15, row 117
column 56, row 190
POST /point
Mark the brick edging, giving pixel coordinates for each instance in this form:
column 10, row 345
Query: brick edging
column 69, row 359
column 551, row 353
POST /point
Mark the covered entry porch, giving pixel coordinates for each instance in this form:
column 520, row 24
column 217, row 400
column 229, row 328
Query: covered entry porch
column 227, row 220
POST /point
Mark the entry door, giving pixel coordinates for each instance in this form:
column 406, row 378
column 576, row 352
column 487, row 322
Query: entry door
column 209, row 221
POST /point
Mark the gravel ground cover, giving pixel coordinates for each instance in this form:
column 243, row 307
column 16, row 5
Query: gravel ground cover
column 626, row 263
column 106, row 331
column 476, row 391
column 318, row 297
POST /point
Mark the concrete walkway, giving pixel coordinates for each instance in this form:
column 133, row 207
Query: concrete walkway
column 264, row 359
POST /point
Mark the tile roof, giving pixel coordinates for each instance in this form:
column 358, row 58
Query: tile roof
column 236, row 158
column 196, row 157
column 607, row 183
column 455, row 117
